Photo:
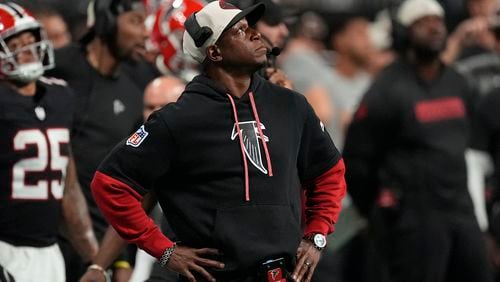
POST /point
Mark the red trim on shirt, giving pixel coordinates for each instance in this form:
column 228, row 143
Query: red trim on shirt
column 121, row 206
column 323, row 200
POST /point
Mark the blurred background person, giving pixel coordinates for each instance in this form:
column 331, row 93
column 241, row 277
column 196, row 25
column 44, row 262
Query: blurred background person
column 352, row 46
column 36, row 165
column 405, row 155
column 486, row 138
column 333, row 86
column 474, row 44
column 305, row 53
column 272, row 26
column 161, row 91
column 477, row 46
column 108, row 102
column 473, row 35
column 338, row 83
column 55, row 26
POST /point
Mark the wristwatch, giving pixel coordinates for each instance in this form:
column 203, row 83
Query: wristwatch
column 318, row 240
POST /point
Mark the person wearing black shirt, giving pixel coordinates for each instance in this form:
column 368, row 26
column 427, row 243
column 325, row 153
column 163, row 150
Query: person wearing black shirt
column 227, row 163
column 405, row 159
column 108, row 102
column 486, row 138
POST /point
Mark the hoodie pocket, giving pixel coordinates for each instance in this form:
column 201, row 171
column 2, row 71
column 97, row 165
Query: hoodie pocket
column 248, row 235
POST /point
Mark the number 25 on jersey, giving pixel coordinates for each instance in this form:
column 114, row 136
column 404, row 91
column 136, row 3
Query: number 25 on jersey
column 48, row 145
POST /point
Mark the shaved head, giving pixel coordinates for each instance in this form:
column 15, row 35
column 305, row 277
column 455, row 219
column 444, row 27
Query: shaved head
column 161, row 91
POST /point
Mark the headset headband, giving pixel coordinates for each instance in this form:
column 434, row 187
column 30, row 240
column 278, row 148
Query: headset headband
column 199, row 34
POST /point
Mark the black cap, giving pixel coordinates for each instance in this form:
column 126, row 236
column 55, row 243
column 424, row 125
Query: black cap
column 272, row 15
column 253, row 14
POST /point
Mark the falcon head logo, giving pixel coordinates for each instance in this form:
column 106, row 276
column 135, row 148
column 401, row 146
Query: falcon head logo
column 250, row 135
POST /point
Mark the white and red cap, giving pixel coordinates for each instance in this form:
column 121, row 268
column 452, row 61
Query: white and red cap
column 412, row 10
column 205, row 27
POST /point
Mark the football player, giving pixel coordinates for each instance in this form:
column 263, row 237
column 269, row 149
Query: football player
column 37, row 173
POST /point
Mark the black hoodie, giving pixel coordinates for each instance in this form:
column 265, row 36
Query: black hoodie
column 191, row 152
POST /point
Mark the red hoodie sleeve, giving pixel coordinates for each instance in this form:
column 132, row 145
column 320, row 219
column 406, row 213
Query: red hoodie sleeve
column 323, row 200
column 121, row 206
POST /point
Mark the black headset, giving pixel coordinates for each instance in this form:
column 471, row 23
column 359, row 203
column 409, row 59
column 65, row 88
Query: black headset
column 199, row 34
column 399, row 32
column 400, row 37
column 105, row 19
column 105, row 14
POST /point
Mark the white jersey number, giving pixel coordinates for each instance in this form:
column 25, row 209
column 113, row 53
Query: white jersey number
column 48, row 146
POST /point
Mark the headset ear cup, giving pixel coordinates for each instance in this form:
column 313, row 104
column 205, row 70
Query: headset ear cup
column 110, row 27
column 400, row 36
column 105, row 21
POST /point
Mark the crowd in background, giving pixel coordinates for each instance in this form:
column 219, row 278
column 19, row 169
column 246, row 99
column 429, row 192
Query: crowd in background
column 332, row 52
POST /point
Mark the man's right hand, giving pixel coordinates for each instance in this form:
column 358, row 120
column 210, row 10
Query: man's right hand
column 185, row 260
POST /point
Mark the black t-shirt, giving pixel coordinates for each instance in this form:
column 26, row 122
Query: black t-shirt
column 410, row 136
column 190, row 153
column 107, row 110
column 140, row 72
column 34, row 149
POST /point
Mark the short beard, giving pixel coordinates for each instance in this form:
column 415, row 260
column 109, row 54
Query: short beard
column 424, row 54
column 115, row 50
column 18, row 83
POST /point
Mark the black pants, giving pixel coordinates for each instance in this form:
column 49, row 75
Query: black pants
column 75, row 267
column 435, row 247
column 347, row 264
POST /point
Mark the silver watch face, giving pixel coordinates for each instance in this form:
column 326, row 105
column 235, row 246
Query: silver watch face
column 319, row 240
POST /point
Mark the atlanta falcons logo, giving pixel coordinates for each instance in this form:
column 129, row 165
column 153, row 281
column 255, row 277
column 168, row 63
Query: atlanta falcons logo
column 250, row 135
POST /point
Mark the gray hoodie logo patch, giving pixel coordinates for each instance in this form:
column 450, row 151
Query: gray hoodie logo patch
column 250, row 134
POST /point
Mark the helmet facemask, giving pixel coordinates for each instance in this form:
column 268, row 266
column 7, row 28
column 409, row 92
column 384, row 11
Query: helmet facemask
column 167, row 32
column 41, row 51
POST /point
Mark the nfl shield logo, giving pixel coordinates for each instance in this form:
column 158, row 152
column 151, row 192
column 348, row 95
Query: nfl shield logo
column 136, row 139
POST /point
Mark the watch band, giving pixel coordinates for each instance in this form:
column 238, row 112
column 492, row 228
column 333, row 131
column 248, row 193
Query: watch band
column 166, row 255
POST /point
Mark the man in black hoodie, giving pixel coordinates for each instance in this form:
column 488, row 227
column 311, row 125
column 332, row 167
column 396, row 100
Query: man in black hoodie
column 405, row 157
column 230, row 193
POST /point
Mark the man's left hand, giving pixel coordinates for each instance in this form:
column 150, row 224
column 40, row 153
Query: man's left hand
column 307, row 260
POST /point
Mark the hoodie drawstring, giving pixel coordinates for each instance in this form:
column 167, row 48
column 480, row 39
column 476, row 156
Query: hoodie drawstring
column 264, row 143
column 242, row 147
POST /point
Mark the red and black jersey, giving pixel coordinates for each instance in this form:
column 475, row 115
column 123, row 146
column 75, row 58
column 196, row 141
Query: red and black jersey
column 34, row 152
column 217, row 182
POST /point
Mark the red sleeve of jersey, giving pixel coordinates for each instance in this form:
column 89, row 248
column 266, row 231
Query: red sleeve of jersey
column 121, row 206
column 323, row 200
